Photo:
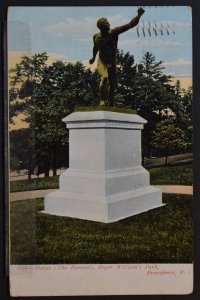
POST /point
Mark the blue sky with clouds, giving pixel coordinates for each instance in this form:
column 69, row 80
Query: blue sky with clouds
column 66, row 33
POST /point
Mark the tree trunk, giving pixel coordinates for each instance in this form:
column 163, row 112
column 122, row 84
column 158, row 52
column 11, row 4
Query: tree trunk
column 143, row 155
column 29, row 174
column 143, row 160
column 148, row 151
column 166, row 157
column 54, row 162
column 29, row 164
column 47, row 167
column 46, row 173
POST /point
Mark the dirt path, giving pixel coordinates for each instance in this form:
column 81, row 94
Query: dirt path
column 29, row 195
column 176, row 189
column 172, row 189
column 180, row 158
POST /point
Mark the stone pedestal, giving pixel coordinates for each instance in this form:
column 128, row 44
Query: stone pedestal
column 105, row 181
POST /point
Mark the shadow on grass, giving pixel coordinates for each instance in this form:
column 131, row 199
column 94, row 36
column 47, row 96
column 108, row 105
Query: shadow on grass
column 163, row 235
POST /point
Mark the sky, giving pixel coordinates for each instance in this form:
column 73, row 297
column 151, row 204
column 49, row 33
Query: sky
column 66, row 33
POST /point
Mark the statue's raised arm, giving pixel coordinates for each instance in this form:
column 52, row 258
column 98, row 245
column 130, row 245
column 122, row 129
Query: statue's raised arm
column 134, row 22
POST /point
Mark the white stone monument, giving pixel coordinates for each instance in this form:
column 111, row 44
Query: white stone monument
column 105, row 181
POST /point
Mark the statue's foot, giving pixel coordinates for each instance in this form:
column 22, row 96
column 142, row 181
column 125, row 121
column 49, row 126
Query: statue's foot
column 102, row 103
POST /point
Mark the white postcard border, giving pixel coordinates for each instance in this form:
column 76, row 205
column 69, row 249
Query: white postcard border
column 101, row 279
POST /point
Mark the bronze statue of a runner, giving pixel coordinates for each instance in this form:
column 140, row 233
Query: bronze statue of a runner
column 105, row 42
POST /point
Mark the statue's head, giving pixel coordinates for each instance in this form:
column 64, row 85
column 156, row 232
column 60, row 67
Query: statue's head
column 103, row 24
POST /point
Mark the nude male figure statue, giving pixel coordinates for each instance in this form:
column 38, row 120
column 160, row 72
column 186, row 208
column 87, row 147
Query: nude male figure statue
column 105, row 42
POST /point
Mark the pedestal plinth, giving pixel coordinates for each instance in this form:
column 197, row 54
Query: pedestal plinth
column 105, row 181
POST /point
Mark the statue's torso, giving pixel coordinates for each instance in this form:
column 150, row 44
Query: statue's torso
column 107, row 46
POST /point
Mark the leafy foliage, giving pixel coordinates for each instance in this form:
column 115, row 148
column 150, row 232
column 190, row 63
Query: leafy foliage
column 47, row 93
column 22, row 150
column 168, row 137
column 126, row 75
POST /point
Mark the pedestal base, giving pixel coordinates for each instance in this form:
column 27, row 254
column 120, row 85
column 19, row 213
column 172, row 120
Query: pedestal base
column 107, row 209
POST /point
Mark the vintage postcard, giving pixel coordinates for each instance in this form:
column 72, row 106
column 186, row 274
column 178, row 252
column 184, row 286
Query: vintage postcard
column 100, row 143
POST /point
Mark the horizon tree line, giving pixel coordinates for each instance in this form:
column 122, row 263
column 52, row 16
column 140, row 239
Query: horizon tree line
column 47, row 93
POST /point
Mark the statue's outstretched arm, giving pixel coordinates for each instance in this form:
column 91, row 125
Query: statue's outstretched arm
column 131, row 24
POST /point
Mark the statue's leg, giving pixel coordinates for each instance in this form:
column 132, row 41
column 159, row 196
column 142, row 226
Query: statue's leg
column 112, row 83
column 103, row 72
column 102, row 89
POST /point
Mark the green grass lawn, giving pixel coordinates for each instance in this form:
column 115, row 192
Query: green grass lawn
column 105, row 108
column 163, row 235
column 181, row 174
column 172, row 174
column 34, row 184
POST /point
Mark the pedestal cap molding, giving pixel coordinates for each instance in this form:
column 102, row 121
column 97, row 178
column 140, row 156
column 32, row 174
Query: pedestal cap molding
column 103, row 124
column 103, row 116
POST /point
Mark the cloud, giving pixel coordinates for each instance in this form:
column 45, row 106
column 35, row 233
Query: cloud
column 71, row 27
column 178, row 62
column 81, row 29
column 184, row 76
column 53, row 57
column 14, row 57
column 171, row 25
column 175, row 24
column 117, row 20
column 149, row 43
column 185, row 82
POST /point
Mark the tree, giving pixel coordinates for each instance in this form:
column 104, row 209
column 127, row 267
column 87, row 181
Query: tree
column 150, row 68
column 62, row 88
column 152, row 85
column 23, row 79
column 22, row 150
column 46, row 94
column 126, row 78
column 181, row 107
column 186, row 116
column 152, row 94
column 168, row 138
